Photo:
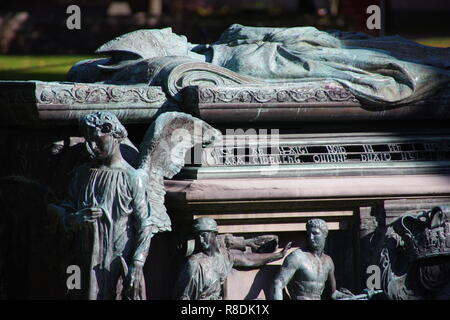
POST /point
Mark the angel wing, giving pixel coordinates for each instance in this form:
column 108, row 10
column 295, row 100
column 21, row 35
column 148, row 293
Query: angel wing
column 162, row 154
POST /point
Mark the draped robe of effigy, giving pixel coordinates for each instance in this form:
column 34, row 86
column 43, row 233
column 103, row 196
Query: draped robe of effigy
column 379, row 71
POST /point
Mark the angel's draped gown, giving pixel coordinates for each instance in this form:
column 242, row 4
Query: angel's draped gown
column 104, row 249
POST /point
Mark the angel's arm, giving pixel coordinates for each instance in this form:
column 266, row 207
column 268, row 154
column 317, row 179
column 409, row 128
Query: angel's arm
column 142, row 229
column 143, row 226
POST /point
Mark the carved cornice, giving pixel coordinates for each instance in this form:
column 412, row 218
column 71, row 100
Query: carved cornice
column 36, row 102
column 97, row 94
column 301, row 93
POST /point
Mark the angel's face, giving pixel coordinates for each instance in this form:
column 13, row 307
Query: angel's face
column 100, row 143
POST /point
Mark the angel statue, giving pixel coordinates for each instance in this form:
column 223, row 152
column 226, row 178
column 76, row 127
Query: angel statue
column 113, row 209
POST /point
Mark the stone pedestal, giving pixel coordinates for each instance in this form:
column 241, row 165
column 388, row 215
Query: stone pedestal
column 322, row 163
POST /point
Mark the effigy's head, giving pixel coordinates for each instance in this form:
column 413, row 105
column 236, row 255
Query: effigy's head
column 147, row 44
column 103, row 133
column 205, row 231
column 317, row 232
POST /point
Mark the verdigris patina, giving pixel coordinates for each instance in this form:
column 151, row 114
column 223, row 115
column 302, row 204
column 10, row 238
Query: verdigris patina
column 415, row 257
column 202, row 276
column 305, row 272
column 113, row 209
column 380, row 71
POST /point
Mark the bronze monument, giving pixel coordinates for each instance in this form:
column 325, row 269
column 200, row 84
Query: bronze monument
column 305, row 272
column 202, row 276
column 113, row 209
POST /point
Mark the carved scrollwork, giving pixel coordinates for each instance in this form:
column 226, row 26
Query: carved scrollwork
column 75, row 94
column 328, row 92
column 206, row 74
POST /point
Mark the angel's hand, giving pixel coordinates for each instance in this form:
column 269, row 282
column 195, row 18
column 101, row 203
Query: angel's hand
column 133, row 280
column 86, row 215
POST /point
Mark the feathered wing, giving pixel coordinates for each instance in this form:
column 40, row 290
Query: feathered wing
column 162, row 154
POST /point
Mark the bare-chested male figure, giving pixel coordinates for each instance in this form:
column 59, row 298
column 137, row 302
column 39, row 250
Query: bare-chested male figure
column 306, row 272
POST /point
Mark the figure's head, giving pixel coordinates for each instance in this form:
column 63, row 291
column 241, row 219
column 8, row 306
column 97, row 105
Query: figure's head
column 147, row 44
column 205, row 231
column 103, row 133
column 317, row 232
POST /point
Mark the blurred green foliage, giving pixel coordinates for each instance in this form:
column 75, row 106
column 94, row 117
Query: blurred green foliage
column 435, row 42
column 39, row 67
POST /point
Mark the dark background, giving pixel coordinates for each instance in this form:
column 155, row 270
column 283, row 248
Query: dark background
column 39, row 27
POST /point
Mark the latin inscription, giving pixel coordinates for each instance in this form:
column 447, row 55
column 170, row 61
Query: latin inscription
column 336, row 153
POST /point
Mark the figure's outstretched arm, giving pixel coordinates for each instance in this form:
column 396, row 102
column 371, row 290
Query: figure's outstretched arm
column 245, row 259
column 256, row 243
